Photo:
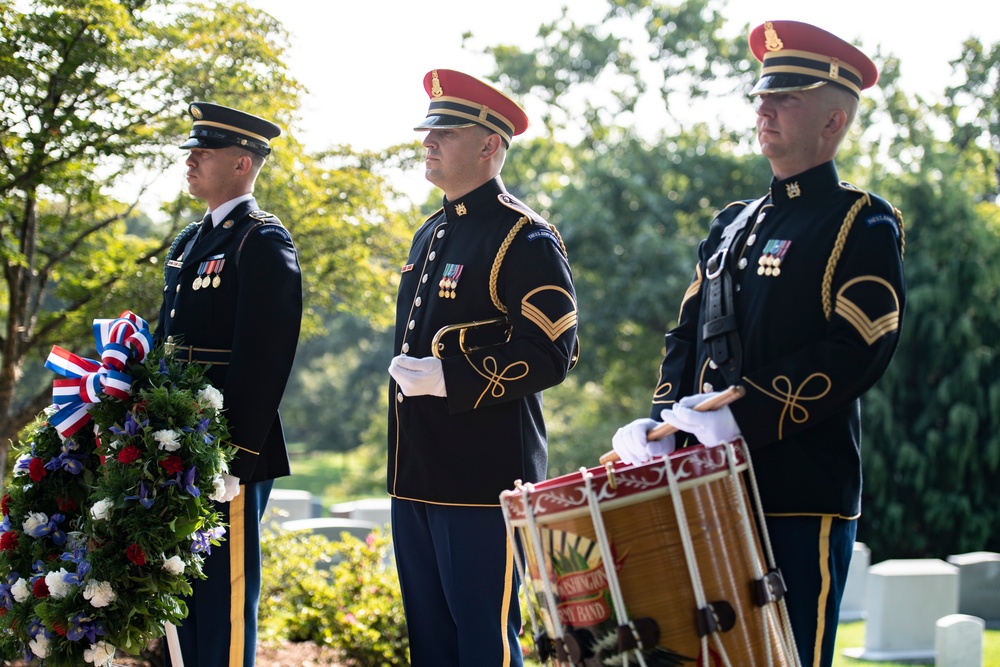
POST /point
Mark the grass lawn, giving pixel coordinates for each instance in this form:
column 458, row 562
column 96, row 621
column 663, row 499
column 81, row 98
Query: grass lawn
column 852, row 635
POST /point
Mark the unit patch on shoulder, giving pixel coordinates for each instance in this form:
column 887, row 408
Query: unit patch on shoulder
column 275, row 230
column 543, row 234
column 884, row 219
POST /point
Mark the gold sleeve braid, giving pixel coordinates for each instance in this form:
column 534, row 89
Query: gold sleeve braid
column 838, row 249
column 502, row 252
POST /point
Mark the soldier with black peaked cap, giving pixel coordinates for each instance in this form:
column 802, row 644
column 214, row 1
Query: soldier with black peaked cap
column 797, row 298
column 465, row 426
column 232, row 298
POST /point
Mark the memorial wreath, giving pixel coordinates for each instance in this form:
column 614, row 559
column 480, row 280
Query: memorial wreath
column 108, row 516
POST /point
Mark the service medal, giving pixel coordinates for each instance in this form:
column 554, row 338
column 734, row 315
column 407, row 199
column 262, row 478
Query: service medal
column 216, row 281
column 196, row 285
column 769, row 263
column 449, row 281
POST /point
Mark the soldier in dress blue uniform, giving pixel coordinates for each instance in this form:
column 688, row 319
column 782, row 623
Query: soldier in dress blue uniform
column 797, row 298
column 465, row 416
column 232, row 299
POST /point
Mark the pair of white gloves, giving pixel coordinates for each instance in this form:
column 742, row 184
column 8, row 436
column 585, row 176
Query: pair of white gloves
column 418, row 376
column 712, row 427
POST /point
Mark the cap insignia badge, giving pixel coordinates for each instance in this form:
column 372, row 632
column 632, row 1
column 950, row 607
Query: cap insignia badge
column 484, row 112
column 196, row 112
column 793, row 190
column 436, row 89
column 771, row 40
column 460, row 209
column 834, row 68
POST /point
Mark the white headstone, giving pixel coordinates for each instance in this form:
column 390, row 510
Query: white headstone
column 852, row 605
column 979, row 585
column 904, row 599
column 288, row 505
column 958, row 640
column 376, row 510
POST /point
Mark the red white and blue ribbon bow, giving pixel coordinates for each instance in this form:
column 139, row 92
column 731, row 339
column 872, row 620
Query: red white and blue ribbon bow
column 118, row 340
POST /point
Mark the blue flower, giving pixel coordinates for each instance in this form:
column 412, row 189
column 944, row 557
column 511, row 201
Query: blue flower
column 145, row 497
column 77, row 578
column 131, row 426
column 202, row 540
column 190, row 475
column 81, row 626
column 69, row 461
column 6, row 597
column 36, row 627
column 51, row 529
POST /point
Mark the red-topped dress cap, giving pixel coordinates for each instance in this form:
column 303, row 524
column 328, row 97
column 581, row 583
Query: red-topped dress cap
column 460, row 100
column 799, row 56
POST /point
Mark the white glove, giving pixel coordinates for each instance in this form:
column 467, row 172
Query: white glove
column 418, row 377
column 711, row 428
column 632, row 447
column 232, row 488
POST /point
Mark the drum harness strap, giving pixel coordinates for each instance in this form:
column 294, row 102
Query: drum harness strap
column 719, row 331
column 630, row 637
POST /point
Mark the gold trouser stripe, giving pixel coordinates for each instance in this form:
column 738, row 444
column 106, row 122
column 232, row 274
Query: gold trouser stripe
column 237, row 580
column 824, row 592
column 508, row 587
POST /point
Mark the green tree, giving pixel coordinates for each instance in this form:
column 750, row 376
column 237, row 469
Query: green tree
column 932, row 446
column 92, row 91
column 632, row 208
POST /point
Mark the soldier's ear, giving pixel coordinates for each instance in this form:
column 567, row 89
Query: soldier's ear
column 491, row 145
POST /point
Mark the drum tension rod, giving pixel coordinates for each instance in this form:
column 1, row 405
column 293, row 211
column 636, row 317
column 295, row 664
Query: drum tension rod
column 718, row 616
column 769, row 588
column 648, row 631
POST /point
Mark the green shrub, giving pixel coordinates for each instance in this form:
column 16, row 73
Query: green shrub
column 344, row 595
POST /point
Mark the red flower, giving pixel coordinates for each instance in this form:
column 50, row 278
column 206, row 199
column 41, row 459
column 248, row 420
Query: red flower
column 172, row 464
column 8, row 541
column 129, row 454
column 36, row 469
column 5, row 504
column 65, row 505
column 40, row 589
column 134, row 554
column 59, row 628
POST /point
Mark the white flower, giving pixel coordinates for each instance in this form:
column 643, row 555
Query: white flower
column 101, row 510
column 99, row 593
column 33, row 521
column 173, row 565
column 56, row 582
column 169, row 440
column 101, row 654
column 21, row 465
column 218, row 488
column 211, row 396
column 20, row 590
column 40, row 646
column 115, row 444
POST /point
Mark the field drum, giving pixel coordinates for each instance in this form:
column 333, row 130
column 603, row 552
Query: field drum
column 660, row 562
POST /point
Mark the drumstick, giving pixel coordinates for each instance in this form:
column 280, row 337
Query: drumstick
column 663, row 430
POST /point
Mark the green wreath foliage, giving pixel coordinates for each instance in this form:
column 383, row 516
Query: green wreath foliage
column 103, row 532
